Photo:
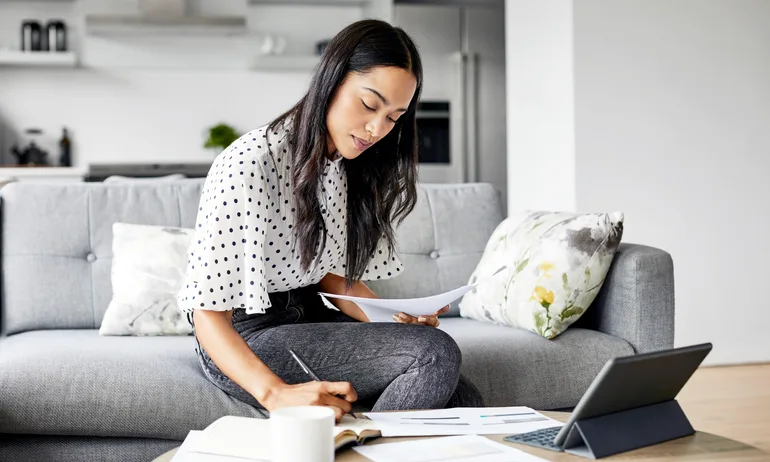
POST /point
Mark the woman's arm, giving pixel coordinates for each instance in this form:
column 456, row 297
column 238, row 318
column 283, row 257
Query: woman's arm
column 333, row 284
column 235, row 359
column 232, row 354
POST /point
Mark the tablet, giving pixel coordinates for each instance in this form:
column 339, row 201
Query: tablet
column 629, row 382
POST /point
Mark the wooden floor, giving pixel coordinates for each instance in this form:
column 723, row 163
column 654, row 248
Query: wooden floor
column 732, row 401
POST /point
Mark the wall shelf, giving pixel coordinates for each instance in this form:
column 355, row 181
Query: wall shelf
column 38, row 58
column 279, row 63
column 117, row 25
column 358, row 3
column 380, row 9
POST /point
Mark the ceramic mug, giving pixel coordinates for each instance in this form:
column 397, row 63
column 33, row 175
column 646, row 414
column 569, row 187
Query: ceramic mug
column 302, row 434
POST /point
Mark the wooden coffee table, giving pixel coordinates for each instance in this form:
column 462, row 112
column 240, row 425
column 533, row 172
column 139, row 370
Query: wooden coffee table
column 698, row 447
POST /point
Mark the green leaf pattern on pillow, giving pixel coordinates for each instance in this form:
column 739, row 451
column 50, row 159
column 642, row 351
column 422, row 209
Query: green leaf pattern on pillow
column 556, row 262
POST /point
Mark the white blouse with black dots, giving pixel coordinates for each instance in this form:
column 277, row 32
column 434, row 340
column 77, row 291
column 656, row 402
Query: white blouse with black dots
column 243, row 246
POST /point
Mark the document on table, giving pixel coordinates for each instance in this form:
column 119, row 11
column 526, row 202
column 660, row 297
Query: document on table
column 462, row 421
column 468, row 448
column 188, row 452
column 233, row 438
column 382, row 310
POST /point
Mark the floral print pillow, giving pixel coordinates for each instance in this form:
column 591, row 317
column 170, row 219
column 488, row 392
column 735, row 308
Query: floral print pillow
column 556, row 264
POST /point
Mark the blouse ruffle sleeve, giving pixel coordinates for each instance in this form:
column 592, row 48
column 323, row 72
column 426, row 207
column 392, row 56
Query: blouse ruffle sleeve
column 226, row 264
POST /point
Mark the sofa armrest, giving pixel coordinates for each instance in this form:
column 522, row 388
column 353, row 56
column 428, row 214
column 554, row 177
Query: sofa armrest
column 636, row 302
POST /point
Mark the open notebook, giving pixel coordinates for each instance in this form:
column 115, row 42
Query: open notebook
column 249, row 438
column 355, row 431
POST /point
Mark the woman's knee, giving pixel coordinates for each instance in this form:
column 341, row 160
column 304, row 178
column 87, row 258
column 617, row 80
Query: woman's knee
column 438, row 347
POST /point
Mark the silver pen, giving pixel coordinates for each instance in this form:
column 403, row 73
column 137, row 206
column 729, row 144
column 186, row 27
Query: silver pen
column 310, row 372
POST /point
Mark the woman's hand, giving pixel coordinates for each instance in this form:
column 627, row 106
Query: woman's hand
column 335, row 395
column 430, row 320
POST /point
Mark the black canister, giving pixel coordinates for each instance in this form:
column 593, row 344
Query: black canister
column 320, row 46
column 56, row 33
column 31, row 35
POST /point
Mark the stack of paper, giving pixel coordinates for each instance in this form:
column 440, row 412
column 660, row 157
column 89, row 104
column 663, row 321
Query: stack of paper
column 228, row 439
column 188, row 452
column 462, row 421
column 468, row 448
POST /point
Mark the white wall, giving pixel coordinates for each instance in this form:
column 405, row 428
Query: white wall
column 672, row 113
column 672, row 127
column 141, row 116
column 539, row 93
column 152, row 99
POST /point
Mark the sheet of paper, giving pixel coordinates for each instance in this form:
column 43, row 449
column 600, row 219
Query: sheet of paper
column 470, row 448
column 382, row 310
column 237, row 438
column 462, row 421
column 183, row 454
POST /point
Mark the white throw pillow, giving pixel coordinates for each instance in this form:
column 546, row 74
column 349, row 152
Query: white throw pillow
column 148, row 268
column 152, row 179
column 557, row 262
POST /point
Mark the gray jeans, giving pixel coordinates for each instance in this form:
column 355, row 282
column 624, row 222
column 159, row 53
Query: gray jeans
column 391, row 366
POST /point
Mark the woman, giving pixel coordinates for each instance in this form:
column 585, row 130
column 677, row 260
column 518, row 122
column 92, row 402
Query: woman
column 308, row 204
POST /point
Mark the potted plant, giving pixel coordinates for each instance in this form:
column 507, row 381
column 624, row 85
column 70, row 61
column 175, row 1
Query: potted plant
column 220, row 137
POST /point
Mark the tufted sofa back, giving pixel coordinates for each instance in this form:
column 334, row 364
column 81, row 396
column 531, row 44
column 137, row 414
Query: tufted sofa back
column 57, row 243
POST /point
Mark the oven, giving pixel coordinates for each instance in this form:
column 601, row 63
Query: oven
column 433, row 132
column 440, row 142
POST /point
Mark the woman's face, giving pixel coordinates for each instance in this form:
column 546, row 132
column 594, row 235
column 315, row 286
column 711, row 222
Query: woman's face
column 366, row 107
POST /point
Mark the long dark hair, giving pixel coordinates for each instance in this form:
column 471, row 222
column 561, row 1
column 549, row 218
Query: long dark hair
column 381, row 182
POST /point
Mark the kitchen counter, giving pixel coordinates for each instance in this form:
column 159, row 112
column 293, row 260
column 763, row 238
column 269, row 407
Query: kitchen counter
column 43, row 173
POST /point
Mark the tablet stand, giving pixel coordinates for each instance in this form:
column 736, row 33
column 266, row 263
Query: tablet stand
column 609, row 434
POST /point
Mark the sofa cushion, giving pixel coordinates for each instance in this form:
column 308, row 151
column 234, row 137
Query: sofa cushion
column 75, row 382
column 148, row 268
column 82, row 448
column 556, row 265
column 437, row 247
column 516, row 367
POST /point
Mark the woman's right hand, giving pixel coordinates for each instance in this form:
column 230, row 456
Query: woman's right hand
column 336, row 395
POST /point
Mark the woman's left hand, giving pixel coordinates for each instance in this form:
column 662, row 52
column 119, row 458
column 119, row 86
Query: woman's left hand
column 430, row 320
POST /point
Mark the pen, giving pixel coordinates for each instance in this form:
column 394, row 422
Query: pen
column 310, row 372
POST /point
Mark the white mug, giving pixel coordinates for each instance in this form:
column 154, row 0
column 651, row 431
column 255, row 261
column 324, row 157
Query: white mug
column 302, row 434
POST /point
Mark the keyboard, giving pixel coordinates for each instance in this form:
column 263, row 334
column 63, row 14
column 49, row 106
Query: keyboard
column 539, row 438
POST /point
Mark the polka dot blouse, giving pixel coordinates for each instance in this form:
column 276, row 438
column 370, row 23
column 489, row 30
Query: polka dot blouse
column 243, row 247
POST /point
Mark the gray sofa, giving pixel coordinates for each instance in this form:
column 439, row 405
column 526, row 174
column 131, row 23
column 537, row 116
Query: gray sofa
column 68, row 394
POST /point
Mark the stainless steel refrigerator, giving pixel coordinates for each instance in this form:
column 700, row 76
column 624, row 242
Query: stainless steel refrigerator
column 462, row 46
